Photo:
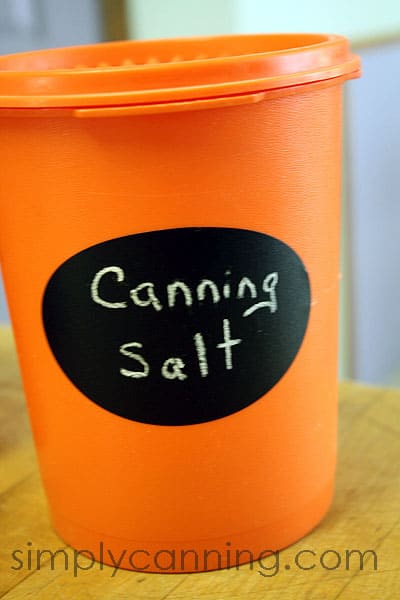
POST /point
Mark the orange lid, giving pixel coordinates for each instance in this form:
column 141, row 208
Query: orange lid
column 150, row 71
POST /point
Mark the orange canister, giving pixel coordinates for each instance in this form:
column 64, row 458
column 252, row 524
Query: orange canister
column 169, row 243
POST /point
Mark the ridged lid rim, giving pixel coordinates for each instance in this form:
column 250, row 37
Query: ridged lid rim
column 127, row 73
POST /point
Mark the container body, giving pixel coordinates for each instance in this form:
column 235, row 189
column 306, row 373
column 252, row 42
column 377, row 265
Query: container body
column 257, row 478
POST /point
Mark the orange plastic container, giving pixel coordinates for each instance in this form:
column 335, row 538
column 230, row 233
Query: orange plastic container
column 169, row 242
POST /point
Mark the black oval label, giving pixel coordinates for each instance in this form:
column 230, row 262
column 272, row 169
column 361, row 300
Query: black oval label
column 178, row 326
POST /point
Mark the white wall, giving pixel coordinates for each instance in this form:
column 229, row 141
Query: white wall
column 173, row 18
column 358, row 19
column 3, row 305
column 34, row 24
column 374, row 148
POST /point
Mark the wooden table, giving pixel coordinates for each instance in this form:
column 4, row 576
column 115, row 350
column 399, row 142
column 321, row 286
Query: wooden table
column 364, row 516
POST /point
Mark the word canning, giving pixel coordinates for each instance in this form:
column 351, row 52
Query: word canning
column 145, row 294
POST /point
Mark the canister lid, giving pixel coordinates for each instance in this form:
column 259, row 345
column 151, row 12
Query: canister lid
column 172, row 70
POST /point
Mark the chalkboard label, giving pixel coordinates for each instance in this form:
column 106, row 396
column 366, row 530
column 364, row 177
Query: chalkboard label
column 178, row 326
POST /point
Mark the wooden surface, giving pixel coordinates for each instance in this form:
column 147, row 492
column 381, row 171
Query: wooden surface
column 364, row 516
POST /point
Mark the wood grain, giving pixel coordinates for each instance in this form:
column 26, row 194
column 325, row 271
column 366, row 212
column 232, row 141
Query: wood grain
column 364, row 516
